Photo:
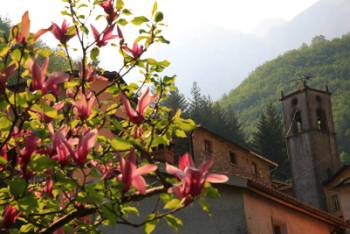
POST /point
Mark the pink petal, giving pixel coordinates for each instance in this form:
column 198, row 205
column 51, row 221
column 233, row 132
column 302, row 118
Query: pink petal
column 129, row 110
column 95, row 33
column 139, row 183
column 204, row 167
column 145, row 169
column 56, row 31
column 41, row 32
column 216, row 178
column 144, row 101
column 185, row 161
column 25, row 25
column 174, row 171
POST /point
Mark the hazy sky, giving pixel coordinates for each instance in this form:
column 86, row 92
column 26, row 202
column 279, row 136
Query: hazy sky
column 187, row 21
column 240, row 15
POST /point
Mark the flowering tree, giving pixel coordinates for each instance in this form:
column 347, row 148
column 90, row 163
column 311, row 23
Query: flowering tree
column 78, row 147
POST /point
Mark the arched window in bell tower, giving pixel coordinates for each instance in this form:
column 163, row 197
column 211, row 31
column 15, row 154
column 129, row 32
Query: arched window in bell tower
column 297, row 122
column 321, row 120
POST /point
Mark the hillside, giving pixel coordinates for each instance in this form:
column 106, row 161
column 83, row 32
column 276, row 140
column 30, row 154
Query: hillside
column 328, row 61
column 199, row 54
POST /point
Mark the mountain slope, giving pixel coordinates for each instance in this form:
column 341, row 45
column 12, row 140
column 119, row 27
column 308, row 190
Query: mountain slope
column 228, row 57
column 328, row 61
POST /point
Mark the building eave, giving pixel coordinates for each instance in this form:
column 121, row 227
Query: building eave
column 250, row 151
column 295, row 204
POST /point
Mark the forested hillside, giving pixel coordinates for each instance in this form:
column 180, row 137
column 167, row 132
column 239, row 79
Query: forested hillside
column 327, row 61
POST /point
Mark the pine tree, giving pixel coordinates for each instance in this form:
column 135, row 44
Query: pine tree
column 269, row 140
column 176, row 101
column 214, row 117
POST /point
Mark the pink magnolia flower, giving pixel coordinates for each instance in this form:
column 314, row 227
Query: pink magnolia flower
column 5, row 73
column 59, row 150
column 108, row 170
column 83, row 106
column 63, row 147
column 39, row 81
column 90, row 74
column 135, row 52
column 120, row 34
column 131, row 175
column 108, row 7
column 102, row 38
column 192, row 179
column 61, row 33
column 30, row 145
column 23, row 30
column 137, row 116
column 49, row 187
column 10, row 214
column 86, row 143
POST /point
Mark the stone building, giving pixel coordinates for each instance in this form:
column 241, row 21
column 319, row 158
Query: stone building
column 251, row 202
column 311, row 142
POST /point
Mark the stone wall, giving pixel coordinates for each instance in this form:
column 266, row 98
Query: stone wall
column 221, row 152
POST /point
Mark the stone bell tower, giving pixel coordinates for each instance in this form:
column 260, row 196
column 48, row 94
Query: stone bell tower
column 311, row 142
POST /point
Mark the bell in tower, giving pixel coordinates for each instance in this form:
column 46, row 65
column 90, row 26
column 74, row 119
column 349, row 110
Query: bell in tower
column 311, row 142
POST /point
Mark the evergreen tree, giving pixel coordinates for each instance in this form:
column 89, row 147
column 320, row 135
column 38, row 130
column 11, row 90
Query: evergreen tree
column 269, row 140
column 214, row 117
column 176, row 101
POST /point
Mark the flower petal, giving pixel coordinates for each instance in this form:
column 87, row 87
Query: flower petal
column 185, row 161
column 145, row 169
column 174, row 171
column 216, row 178
column 139, row 183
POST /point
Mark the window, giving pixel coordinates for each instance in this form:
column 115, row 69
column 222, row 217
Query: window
column 255, row 170
column 321, row 120
column 279, row 227
column 276, row 229
column 233, row 158
column 335, row 203
column 297, row 123
column 208, row 147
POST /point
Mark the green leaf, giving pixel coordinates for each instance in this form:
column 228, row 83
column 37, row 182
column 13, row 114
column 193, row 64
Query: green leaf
column 185, row 124
column 173, row 221
column 122, row 21
column 126, row 12
column 26, row 228
column 17, row 186
column 120, row 144
column 71, row 84
column 204, row 205
column 3, row 161
column 50, row 111
column 151, row 225
column 120, row 4
column 172, row 204
column 40, row 162
column 4, row 49
column 16, row 55
column 108, row 214
column 45, row 52
column 5, row 123
column 139, row 20
column 180, row 133
column 130, row 210
column 94, row 53
column 155, row 7
column 211, row 191
column 158, row 17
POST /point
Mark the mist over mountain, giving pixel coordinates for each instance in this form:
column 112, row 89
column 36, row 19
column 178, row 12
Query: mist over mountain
column 221, row 59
